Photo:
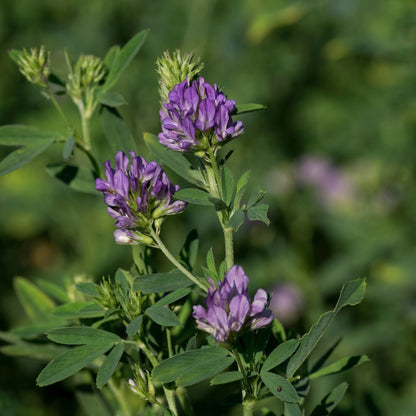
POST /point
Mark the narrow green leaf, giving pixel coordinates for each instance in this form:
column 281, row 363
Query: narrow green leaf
column 352, row 293
column 194, row 196
column 280, row 354
column 189, row 250
column 55, row 291
column 78, row 310
column 111, row 56
column 112, row 99
column 211, row 265
column 134, row 326
column 109, row 365
column 258, row 213
column 241, row 187
column 162, row 315
column 279, row 387
column 161, row 282
column 173, row 297
column 123, row 278
column 292, row 409
column 236, row 220
column 330, row 401
column 225, row 378
column 37, row 305
column 79, row 335
column 248, row 108
column 227, row 185
column 77, row 178
column 339, row 366
column 256, row 196
column 308, row 342
column 70, row 362
column 23, row 155
column 321, row 360
column 175, row 161
column 122, row 59
column 192, row 366
column 42, row 352
column 88, row 288
column 116, row 131
column 19, row 135
column 69, row 147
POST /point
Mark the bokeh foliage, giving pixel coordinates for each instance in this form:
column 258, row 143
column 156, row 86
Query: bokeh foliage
column 337, row 77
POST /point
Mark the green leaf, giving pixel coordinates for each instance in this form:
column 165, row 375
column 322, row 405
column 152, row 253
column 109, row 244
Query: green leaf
column 116, row 131
column 256, row 196
column 78, row 310
column 280, row 354
column 121, row 60
column 161, row 282
column 236, row 220
column 292, row 409
column 308, row 342
column 38, row 329
column 173, row 297
column 227, row 185
column 175, row 161
column 88, row 288
column 70, row 362
column 77, row 178
column 78, row 335
column 42, row 352
column 241, row 187
column 194, row 196
column 109, row 365
column 111, row 99
column 111, row 55
column 211, row 265
column 123, row 278
column 192, row 366
column 23, row 155
column 352, row 293
column 55, row 291
column 322, row 358
column 14, row 55
column 227, row 377
column 19, row 135
column 258, row 213
column 134, row 326
column 248, row 108
column 69, row 147
column 37, row 305
column 339, row 366
column 162, row 315
column 279, row 387
column 189, row 251
column 330, row 401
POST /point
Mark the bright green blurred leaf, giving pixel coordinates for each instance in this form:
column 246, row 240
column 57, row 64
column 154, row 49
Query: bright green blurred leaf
column 339, row 366
column 112, row 99
column 69, row 147
column 19, row 135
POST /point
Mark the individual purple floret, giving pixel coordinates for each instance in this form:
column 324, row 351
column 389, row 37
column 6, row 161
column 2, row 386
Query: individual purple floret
column 196, row 117
column 229, row 310
column 138, row 194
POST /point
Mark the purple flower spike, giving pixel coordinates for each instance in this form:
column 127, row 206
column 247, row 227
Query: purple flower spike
column 137, row 197
column 196, row 116
column 229, row 310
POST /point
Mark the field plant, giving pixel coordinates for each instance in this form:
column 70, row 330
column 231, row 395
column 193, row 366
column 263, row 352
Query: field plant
column 135, row 342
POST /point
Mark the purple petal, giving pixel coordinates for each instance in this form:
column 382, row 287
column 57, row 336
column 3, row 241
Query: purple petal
column 259, row 302
column 239, row 307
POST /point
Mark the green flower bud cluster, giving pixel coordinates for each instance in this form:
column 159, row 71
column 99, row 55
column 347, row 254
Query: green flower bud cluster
column 142, row 384
column 88, row 72
column 34, row 65
column 174, row 69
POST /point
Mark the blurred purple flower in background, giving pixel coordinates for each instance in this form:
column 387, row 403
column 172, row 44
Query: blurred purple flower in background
column 287, row 303
column 229, row 310
column 137, row 196
column 197, row 116
column 330, row 182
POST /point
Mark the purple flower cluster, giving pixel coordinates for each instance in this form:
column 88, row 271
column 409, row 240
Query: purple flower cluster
column 137, row 196
column 229, row 310
column 197, row 116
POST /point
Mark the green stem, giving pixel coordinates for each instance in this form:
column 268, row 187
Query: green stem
column 86, row 130
column 169, row 342
column 242, row 370
column 175, row 262
column 248, row 406
column 229, row 247
column 60, row 111
column 170, row 398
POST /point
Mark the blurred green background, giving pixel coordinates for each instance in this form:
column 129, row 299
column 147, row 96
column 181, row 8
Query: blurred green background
column 335, row 151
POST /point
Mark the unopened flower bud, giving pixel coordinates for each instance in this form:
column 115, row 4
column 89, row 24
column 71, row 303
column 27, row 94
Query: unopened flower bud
column 174, row 69
column 35, row 65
